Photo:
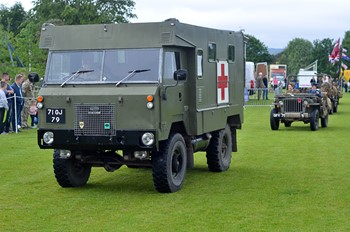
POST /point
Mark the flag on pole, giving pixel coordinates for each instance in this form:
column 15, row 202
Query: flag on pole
column 345, row 57
column 335, row 53
column 344, row 50
column 344, row 65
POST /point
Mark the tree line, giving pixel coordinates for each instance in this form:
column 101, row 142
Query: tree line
column 21, row 30
column 299, row 53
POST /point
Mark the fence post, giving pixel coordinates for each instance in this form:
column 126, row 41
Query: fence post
column 15, row 109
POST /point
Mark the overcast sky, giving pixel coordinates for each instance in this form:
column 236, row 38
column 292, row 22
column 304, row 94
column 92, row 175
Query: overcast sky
column 273, row 22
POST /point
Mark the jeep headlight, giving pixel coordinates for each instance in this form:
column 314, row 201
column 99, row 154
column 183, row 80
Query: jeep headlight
column 280, row 103
column 48, row 137
column 147, row 138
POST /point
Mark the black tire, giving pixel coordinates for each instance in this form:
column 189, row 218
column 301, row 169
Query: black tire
column 332, row 108
column 287, row 124
column 324, row 121
column 169, row 165
column 314, row 120
column 219, row 151
column 70, row 172
column 274, row 123
column 335, row 107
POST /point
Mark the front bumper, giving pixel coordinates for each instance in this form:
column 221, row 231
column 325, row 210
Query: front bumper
column 65, row 139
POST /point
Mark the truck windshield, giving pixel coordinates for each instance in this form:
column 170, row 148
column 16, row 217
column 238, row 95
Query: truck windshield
column 105, row 66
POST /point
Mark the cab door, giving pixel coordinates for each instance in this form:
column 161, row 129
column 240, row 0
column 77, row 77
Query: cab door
column 174, row 106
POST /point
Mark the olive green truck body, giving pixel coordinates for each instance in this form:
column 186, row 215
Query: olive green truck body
column 140, row 94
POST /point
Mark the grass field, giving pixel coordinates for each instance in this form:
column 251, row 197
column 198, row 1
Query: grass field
column 292, row 179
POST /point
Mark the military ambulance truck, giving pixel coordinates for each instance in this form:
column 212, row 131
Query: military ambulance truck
column 140, row 95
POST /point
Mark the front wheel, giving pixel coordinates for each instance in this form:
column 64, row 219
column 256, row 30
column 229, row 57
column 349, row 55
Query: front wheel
column 70, row 172
column 169, row 165
column 314, row 120
column 219, row 150
column 274, row 122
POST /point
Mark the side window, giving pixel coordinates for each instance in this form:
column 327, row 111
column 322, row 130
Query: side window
column 231, row 53
column 171, row 64
column 199, row 63
column 212, row 52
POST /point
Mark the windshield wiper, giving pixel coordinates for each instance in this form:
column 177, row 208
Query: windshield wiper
column 74, row 74
column 131, row 74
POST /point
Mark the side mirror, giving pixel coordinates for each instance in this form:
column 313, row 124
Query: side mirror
column 180, row 75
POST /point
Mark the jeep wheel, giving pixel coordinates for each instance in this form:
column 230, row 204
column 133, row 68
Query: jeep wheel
column 324, row 121
column 331, row 110
column 335, row 107
column 314, row 120
column 169, row 165
column 69, row 172
column 219, row 151
column 275, row 123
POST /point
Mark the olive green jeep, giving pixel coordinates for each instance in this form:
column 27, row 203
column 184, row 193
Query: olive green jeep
column 305, row 107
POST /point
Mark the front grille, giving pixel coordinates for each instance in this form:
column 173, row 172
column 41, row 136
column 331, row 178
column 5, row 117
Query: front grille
column 293, row 105
column 94, row 119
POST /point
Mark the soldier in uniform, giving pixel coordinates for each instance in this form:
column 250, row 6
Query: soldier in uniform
column 326, row 88
column 291, row 88
column 28, row 94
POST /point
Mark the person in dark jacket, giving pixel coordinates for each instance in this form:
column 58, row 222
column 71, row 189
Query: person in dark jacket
column 18, row 102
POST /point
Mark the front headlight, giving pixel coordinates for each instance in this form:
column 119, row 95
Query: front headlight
column 147, row 139
column 149, row 105
column 48, row 137
column 39, row 105
column 281, row 103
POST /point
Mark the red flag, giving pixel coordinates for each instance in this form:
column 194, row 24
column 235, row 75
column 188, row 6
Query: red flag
column 335, row 53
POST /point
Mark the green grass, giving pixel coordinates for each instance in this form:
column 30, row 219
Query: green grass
column 292, row 179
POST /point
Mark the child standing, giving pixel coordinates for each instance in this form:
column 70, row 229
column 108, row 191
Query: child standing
column 3, row 105
column 33, row 112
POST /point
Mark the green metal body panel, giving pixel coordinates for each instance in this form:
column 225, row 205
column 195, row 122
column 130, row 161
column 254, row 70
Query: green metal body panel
column 191, row 103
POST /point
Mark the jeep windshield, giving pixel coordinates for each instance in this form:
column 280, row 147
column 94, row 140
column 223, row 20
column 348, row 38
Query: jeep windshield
column 103, row 66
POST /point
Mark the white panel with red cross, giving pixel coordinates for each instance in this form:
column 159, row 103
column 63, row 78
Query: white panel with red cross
column 222, row 82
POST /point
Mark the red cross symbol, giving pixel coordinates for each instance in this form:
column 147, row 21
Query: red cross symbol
column 222, row 82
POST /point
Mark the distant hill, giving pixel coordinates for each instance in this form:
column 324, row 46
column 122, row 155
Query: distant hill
column 274, row 51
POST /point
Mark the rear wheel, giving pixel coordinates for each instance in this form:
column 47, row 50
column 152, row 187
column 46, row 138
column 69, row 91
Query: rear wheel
column 331, row 110
column 335, row 107
column 314, row 120
column 274, row 122
column 324, row 121
column 169, row 165
column 70, row 172
column 219, row 151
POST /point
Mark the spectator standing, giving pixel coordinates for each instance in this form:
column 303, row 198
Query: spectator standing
column 3, row 105
column 18, row 102
column 275, row 82
column 266, row 88
column 9, row 96
column 28, row 95
column 312, row 81
column 259, row 84
column 346, row 86
column 33, row 112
